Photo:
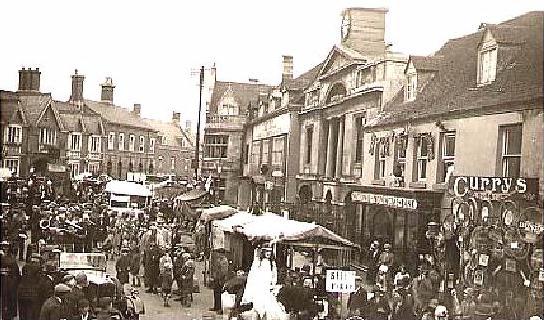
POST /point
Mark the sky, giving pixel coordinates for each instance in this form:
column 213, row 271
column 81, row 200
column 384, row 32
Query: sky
column 152, row 49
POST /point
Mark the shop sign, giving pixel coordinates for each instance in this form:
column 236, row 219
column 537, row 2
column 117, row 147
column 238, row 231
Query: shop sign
column 494, row 188
column 483, row 260
column 272, row 127
column 386, row 200
column 340, row 281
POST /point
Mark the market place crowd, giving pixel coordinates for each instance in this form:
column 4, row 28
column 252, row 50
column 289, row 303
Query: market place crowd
column 33, row 287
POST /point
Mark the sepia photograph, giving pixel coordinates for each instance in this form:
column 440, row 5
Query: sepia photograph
column 272, row 160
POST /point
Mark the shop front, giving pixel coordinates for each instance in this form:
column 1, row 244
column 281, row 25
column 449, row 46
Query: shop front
column 398, row 217
column 497, row 223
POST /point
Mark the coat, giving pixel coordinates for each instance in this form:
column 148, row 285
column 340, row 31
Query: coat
column 72, row 298
column 357, row 300
column 9, row 281
column 123, row 268
column 53, row 309
column 135, row 262
column 28, row 295
column 187, row 273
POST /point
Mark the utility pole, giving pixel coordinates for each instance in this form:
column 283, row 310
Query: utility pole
column 197, row 146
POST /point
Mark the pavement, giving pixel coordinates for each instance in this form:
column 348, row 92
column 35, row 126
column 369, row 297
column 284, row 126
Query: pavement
column 154, row 308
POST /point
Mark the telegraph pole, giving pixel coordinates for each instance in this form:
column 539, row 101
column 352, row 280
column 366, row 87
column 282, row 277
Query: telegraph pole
column 197, row 147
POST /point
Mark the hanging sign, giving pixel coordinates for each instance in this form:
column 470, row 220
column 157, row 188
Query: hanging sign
column 386, row 200
column 340, row 281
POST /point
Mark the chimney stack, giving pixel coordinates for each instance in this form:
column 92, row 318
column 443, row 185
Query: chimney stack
column 77, row 87
column 137, row 109
column 107, row 90
column 29, row 80
column 176, row 117
column 287, row 72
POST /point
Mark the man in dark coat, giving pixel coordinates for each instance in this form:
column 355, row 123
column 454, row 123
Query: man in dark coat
column 123, row 267
column 73, row 297
column 152, row 268
column 28, row 296
column 54, row 308
column 220, row 271
column 358, row 299
column 9, row 279
column 135, row 262
column 47, row 282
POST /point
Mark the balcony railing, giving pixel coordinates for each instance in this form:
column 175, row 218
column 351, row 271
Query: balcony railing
column 12, row 149
column 94, row 156
column 73, row 154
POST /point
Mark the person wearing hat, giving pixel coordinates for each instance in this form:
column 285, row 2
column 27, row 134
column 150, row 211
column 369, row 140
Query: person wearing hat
column 28, row 297
column 187, row 273
column 55, row 307
column 83, row 310
column 357, row 300
column 77, row 293
column 122, row 266
column 47, row 281
column 9, row 280
column 151, row 265
column 135, row 262
column 167, row 278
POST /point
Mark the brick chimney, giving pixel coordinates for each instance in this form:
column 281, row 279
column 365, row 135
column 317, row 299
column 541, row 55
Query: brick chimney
column 363, row 30
column 137, row 109
column 107, row 90
column 29, row 80
column 287, row 68
column 77, row 87
column 176, row 117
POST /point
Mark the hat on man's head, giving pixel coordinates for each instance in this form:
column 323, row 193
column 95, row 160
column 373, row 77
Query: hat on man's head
column 67, row 278
column 62, row 288
column 81, row 278
column 83, row 303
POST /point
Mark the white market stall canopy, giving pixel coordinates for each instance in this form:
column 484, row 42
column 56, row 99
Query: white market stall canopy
column 274, row 227
column 216, row 213
column 5, row 173
column 127, row 188
column 191, row 195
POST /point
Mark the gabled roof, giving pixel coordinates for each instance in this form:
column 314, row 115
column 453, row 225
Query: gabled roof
column 426, row 63
column 55, row 113
column 117, row 115
column 172, row 131
column 244, row 94
column 350, row 54
column 454, row 88
column 304, row 80
column 33, row 105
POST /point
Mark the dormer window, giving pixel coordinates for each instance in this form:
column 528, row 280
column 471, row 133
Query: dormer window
column 228, row 110
column 411, row 87
column 487, row 59
column 488, row 64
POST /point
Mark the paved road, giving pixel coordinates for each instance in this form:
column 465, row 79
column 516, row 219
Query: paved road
column 154, row 304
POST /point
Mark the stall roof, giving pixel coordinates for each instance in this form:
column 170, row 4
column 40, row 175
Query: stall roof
column 5, row 173
column 274, row 227
column 191, row 195
column 127, row 188
column 216, row 213
column 237, row 219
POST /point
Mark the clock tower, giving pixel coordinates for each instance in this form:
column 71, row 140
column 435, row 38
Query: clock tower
column 363, row 30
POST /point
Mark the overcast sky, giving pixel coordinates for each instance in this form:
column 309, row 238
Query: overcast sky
column 149, row 48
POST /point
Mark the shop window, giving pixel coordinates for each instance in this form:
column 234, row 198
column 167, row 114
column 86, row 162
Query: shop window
column 421, row 157
column 511, row 150
column 309, row 142
column 359, row 138
column 448, row 153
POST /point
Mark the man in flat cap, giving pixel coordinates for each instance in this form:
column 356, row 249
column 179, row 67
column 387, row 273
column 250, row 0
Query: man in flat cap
column 9, row 280
column 54, row 308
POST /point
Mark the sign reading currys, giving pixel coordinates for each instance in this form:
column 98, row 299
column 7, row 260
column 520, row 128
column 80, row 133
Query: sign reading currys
column 494, row 188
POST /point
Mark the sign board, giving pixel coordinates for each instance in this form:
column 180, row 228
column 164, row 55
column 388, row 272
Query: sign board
column 89, row 261
column 340, row 281
column 494, row 188
column 272, row 127
column 269, row 185
column 386, row 200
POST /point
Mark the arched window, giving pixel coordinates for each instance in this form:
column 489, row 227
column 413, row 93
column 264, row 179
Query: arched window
column 337, row 91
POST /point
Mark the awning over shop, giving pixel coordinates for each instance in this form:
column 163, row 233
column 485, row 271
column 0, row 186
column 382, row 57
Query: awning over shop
column 191, row 195
column 127, row 188
column 216, row 213
column 237, row 219
column 274, row 227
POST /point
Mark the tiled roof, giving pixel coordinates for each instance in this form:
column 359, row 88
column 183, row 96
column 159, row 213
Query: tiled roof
column 173, row 132
column 117, row 115
column 303, row 80
column 519, row 75
column 32, row 106
column 427, row 62
column 244, row 94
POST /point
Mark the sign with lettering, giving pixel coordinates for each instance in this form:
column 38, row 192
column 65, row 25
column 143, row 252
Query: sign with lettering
column 272, row 127
column 494, row 188
column 340, row 281
column 386, row 200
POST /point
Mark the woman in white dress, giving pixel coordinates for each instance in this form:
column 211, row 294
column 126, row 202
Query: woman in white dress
column 262, row 278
